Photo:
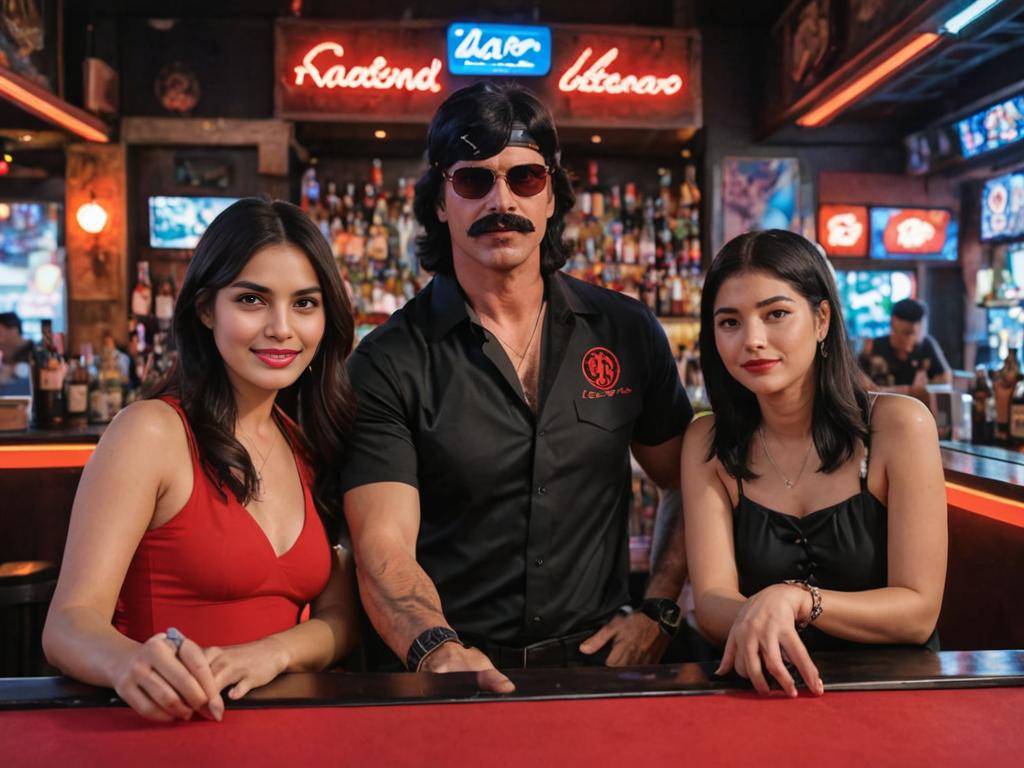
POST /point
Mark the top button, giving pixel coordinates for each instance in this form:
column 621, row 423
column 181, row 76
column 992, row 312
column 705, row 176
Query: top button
column 541, row 433
column 542, row 489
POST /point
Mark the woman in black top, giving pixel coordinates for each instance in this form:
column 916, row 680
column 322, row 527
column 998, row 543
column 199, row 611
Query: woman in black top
column 808, row 502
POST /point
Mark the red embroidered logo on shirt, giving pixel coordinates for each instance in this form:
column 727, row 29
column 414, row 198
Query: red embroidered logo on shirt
column 601, row 368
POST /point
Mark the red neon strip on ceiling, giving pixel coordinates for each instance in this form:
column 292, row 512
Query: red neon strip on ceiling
column 34, row 99
column 847, row 95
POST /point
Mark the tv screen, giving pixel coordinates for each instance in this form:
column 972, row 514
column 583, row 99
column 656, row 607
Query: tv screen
column 843, row 229
column 32, row 279
column 179, row 222
column 913, row 233
column 867, row 298
column 1002, row 207
column 992, row 128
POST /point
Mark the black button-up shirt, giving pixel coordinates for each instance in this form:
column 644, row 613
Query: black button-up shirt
column 523, row 525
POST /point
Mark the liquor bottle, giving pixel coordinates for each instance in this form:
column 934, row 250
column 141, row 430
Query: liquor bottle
column 164, row 303
column 982, row 409
column 1016, row 426
column 48, row 381
column 1005, row 385
column 77, row 389
column 142, row 295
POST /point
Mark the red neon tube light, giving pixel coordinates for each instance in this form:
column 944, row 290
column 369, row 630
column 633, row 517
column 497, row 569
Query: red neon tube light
column 847, row 95
column 598, row 80
column 39, row 102
column 378, row 75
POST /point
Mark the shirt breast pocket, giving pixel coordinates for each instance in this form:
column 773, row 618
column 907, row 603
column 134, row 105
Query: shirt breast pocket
column 610, row 414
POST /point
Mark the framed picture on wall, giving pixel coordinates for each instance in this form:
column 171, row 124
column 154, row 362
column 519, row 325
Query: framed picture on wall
column 760, row 193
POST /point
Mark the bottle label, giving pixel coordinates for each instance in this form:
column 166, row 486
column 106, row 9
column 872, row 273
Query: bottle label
column 1017, row 421
column 51, row 380
column 78, row 399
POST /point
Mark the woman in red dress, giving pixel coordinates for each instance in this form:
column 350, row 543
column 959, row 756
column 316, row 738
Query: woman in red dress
column 199, row 531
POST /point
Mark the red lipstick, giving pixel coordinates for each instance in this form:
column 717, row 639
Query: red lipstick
column 759, row 366
column 276, row 358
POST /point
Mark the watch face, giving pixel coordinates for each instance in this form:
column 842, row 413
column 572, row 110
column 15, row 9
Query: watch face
column 670, row 614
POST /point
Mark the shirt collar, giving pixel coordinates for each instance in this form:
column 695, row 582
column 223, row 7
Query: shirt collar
column 449, row 307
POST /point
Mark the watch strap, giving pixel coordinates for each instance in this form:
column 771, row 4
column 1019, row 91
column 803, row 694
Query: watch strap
column 664, row 611
column 427, row 642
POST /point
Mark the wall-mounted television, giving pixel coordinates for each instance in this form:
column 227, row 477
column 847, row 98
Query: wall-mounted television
column 992, row 128
column 843, row 229
column 867, row 297
column 32, row 268
column 913, row 233
column 179, row 222
column 1002, row 207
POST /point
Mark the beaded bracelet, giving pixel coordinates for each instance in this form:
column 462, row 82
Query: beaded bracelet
column 815, row 602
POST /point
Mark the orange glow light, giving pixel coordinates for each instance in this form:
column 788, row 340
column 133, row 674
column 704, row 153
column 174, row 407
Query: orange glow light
column 39, row 102
column 986, row 504
column 45, row 456
column 598, row 80
column 835, row 104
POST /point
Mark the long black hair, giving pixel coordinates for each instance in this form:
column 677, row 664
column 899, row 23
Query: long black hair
column 199, row 379
column 483, row 113
column 839, row 417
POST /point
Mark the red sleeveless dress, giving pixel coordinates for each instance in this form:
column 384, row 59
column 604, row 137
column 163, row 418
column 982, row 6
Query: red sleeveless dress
column 211, row 572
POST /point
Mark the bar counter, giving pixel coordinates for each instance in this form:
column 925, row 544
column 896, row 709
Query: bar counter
column 39, row 472
column 884, row 707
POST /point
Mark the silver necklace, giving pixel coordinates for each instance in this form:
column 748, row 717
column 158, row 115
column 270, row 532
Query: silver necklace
column 789, row 483
column 263, row 458
column 529, row 342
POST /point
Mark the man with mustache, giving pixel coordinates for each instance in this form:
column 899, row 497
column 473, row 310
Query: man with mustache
column 488, row 482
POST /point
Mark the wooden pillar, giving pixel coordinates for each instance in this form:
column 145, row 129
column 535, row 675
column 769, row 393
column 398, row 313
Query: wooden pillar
column 97, row 280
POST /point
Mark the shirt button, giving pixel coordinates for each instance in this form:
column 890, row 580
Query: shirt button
column 799, row 540
column 541, row 433
column 542, row 489
column 539, row 562
column 801, row 567
column 536, row 619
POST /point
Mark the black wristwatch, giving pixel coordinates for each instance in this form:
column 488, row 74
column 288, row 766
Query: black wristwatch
column 426, row 643
column 663, row 611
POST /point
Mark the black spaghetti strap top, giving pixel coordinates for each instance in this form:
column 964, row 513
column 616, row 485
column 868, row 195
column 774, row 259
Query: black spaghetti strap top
column 843, row 547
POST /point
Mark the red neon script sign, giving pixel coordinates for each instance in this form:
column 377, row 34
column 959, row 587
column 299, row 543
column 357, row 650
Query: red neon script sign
column 598, row 80
column 378, row 75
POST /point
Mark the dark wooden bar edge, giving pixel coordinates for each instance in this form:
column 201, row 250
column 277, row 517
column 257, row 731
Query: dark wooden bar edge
column 884, row 669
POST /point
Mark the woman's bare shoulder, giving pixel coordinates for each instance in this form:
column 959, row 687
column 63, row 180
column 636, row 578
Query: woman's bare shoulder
column 902, row 420
column 145, row 425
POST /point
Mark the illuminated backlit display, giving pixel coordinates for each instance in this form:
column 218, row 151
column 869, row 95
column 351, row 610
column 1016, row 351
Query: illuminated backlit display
column 843, row 229
column 1002, row 207
column 992, row 128
column 499, row 49
column 913, row 233
column 403, row 71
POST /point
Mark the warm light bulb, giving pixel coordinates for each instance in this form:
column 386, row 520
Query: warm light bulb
column 91, row 217
column 595, row 139
column 380, row 134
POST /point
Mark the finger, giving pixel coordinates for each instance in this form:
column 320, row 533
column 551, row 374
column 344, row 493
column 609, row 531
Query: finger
column 137, row 699
column 239, row 689
column 196, row 662
column 777, row 668
column 493, row 680
column 597, row 640
column 752, row 662
column 797, row 652
column 620, row 655
column 173, row 670
column 164, row 695
column 728, row 655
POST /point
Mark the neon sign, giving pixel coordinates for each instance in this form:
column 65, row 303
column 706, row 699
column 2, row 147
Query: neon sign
column 914, row 232
column 378, row 75
column 843, row 229
column 499, row 49
column 597, row 79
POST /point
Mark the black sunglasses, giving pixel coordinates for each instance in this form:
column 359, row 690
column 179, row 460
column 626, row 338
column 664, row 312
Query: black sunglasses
column 474, row 182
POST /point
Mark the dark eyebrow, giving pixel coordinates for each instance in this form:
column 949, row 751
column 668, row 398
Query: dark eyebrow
column 764, row 303
column 263, row 289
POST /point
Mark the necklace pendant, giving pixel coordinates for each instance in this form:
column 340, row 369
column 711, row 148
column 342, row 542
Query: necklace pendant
column 788, row 484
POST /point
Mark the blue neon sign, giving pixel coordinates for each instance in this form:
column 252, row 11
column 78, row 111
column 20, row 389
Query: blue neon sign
column 499, row 49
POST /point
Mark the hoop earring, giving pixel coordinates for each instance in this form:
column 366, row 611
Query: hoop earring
column 821, row 348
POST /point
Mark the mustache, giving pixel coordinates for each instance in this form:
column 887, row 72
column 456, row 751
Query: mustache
column 497, row 222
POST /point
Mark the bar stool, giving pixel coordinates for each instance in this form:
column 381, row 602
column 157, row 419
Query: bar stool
column 26, row 587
